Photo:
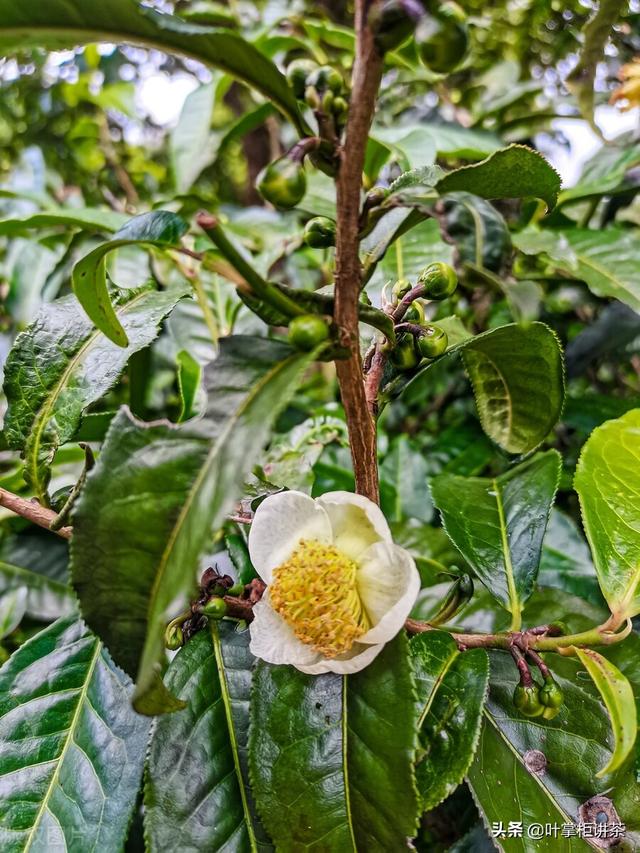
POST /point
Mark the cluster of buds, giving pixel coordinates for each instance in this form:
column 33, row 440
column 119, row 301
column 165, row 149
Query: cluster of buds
column 322, row 88
column 531, row 699
column 416, row 339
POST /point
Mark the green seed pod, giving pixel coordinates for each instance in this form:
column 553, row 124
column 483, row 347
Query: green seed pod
column 327, row 102
column 404, row 355
column 401, row 288
column 283, row 182
column 433, row 342
column 312, row 98
column 393, row 22
column 173, row 636
column 442, row 39
column 307, row 331
column 340, row 107
column 320, row 232
column 326, row 79
column 215, row 608
column 551, row 695
column 297, row 73
column 527, row 701
column 415, row 313
column 439, row 280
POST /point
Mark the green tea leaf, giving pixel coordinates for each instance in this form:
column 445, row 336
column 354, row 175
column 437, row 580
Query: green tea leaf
column 452, row 689
column 566, row 562
column 608, row 484
column 498, row 524
column 160, row 532
column 191, row 144
column 331, row 757
column 61, row 364
column 189, row 373
column 618, row 696
column 513, row 172
column 63, row 24
column 35, row 560
column 196, row 790
column 13, row 606
column 89, row 279
column 84, row 218
column 71, row 748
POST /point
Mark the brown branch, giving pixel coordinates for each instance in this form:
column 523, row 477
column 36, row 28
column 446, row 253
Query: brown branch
column 367, row 72
column 32, row 511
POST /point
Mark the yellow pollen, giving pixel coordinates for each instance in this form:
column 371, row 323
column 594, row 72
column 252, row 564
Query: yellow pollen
column 316, row 594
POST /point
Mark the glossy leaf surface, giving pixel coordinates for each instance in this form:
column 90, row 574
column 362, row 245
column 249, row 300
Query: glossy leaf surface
column 498, row 524
column 61, row 364
column 153, row 569
column 71, row 747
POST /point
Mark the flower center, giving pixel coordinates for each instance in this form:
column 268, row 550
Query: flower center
column 316, row 594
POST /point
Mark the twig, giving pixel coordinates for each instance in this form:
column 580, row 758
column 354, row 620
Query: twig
column 32, row 511
column 367, row 73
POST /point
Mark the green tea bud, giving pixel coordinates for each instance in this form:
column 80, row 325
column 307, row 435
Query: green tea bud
column 215, row 608
column 415, row 313
column 433, row 342
column 442, row 39
column 173, row 636
column 551, row 695
column 439, row 280
column 401, row 288
column 393, row 22
column 283, row 182
column 307, row 331
column 527, row 701
column 320, row 232
column 297, row 73
column 404, row 355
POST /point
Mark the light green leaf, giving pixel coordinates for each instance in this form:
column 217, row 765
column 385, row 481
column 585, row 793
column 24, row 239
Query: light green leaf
column 189, row 373
column 617, row 694
column 149, row 576
column 89, row 280
column 513, row 172
column 331, row 757
column 61, row 364
column 84, row 218
column 71, row 747
column 197, row 792
column 498, row 524
column 414, row 251
column 452, row 689
column 608, row 484
column 62, row 24
column 606, row 260
column 191, row 144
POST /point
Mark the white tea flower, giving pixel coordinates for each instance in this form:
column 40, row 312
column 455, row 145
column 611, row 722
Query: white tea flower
column 338, row 589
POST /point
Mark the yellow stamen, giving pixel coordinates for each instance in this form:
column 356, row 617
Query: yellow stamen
column 315, row 592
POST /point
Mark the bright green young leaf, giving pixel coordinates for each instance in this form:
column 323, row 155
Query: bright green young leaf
column 84, row 218
column 89, row 278
column 513, row 172
column 518, row 382
column 61, row 24
column 148, row 577
column 543, row 771
column 608, row 484
column 189, row 373
column 197, row 792
column 452, row 689
column 618, row 696
column 71, row 748
column 49, row 385
column 498, row 524
column 331, row 757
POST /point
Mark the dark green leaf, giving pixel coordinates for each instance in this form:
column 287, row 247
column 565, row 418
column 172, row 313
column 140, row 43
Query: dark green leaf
column 452, row 689
column 196, row 792
column 62, row 364
column 566, row 562
column 189, row 373
column 513, row 172
column 608, row 484
column 158, row 228
column 71, row 747
column 150, row 573
column 407, row 471
column 498, row 524
column 478, row 230
column 61, row 24
column 331, row 756
column 13, row 606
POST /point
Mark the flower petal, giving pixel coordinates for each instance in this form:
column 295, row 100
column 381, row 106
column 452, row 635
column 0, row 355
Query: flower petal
column 356, row 521
column 352, row 661
column 273, row 640
column 388, row 584
column 280, row 522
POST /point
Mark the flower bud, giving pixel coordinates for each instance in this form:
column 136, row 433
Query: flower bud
column 173, row 636
column 551, row 695
column 439, row 280
column 527, row 701
column 283, row 182
column 297, row 73
column 320, row 232
column 415, row 312
column 433, row 342
column 340, row 107
column 404, row 355
column 394, row 22
column 307, row 331
column 215, row 608
column 442, row 39
column 326, row 79
column 401, row 288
